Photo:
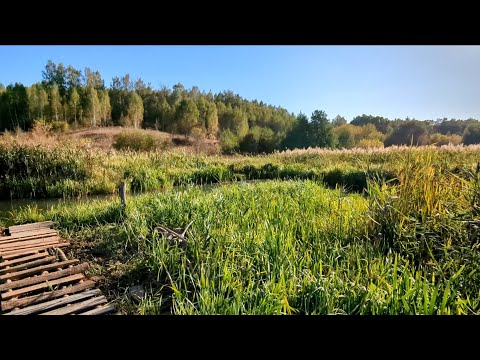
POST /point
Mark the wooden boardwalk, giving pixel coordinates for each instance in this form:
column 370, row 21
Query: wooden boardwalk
column 37, row 278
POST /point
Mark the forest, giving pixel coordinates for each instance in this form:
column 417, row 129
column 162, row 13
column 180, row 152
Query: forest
column 67, row 97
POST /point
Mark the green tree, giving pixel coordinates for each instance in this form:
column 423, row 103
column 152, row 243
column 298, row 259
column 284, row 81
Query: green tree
column 93, row 79
column 321, row 130
column 258, row 140
column 338, row 121
column 299, row 135
column 105, row 108
column 382, row 124
column 55, row 102
column 187, row 116
column 345, row 136
column 472, row 134
column 54, row 75
column 74, row 103
column 93, row 105
column 229, row 142
column 408, row 132
column 135, row 109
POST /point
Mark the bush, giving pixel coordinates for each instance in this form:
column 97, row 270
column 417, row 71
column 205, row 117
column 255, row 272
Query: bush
column 229, row 142
column 370, row 144
column 137, row 140
column 59, row 126
column 441, row 139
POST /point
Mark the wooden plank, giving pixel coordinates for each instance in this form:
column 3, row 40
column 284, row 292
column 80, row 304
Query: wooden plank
column 35, row 299
column 18, row 253
column 84, row 305
column 39, row 233
column 15, row 293
column 28, row 243
column 33, row 309
column 23, row 259
column 9, row 241
column 28, row 247
column 38, row 269
column 41, row 278
column 100, row 310
column 37, row 225
column 19, row 247
column 27, row 265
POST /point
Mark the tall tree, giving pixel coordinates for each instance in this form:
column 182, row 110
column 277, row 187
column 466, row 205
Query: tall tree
column 408, row 132
column 74, row 77
column 135, row 109
column 93, row 79
column 93, row 105
column 105, row 108
column 55, row 103
column 299, row 136
column 321, row 130
column 56, row 75
column 472, row 134
column 339, row 120
column 74, row 103
column 187, row 117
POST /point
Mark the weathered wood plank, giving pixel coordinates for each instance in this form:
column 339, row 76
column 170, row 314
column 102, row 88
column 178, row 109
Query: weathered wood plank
column 84, row 305
column 33, row 309
column 26, row 234
column 29, row 243
column 15, row 293
column 39, row 269
column 37, row 225
column 100, row 310
column 35, row 299
column 41, row 278
column 22, row 249
column 23, row 259
column 18, row 253
column 28, row 265
column 6, row 240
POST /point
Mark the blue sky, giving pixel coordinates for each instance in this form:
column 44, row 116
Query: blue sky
column 422, row 82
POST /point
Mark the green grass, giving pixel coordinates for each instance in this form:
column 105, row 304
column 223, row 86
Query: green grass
column 291, row 247
column 68, row 171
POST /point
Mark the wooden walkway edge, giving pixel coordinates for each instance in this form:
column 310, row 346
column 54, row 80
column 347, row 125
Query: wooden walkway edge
column 37, row 278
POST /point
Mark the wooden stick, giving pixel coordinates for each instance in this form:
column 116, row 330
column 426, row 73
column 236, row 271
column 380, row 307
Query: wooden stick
column 15, row 293
column 122, row 193
column 61, row 254
column 33, row 309
column 39, row 269
column 34, row 299
column 38, row 279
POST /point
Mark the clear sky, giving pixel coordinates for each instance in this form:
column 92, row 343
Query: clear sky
column 422, row 82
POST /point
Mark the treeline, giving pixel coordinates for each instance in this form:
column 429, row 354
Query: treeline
column 68, row 97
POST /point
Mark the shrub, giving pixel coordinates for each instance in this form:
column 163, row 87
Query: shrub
column 138, row 141
column 59, row 126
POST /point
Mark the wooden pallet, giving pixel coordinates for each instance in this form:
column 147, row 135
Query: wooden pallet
column 37, row 278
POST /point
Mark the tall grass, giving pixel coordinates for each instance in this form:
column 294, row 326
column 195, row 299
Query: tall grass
column 294, row 247
column 67, row 170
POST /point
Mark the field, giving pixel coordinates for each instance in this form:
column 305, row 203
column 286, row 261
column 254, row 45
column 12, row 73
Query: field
column 387, row 231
